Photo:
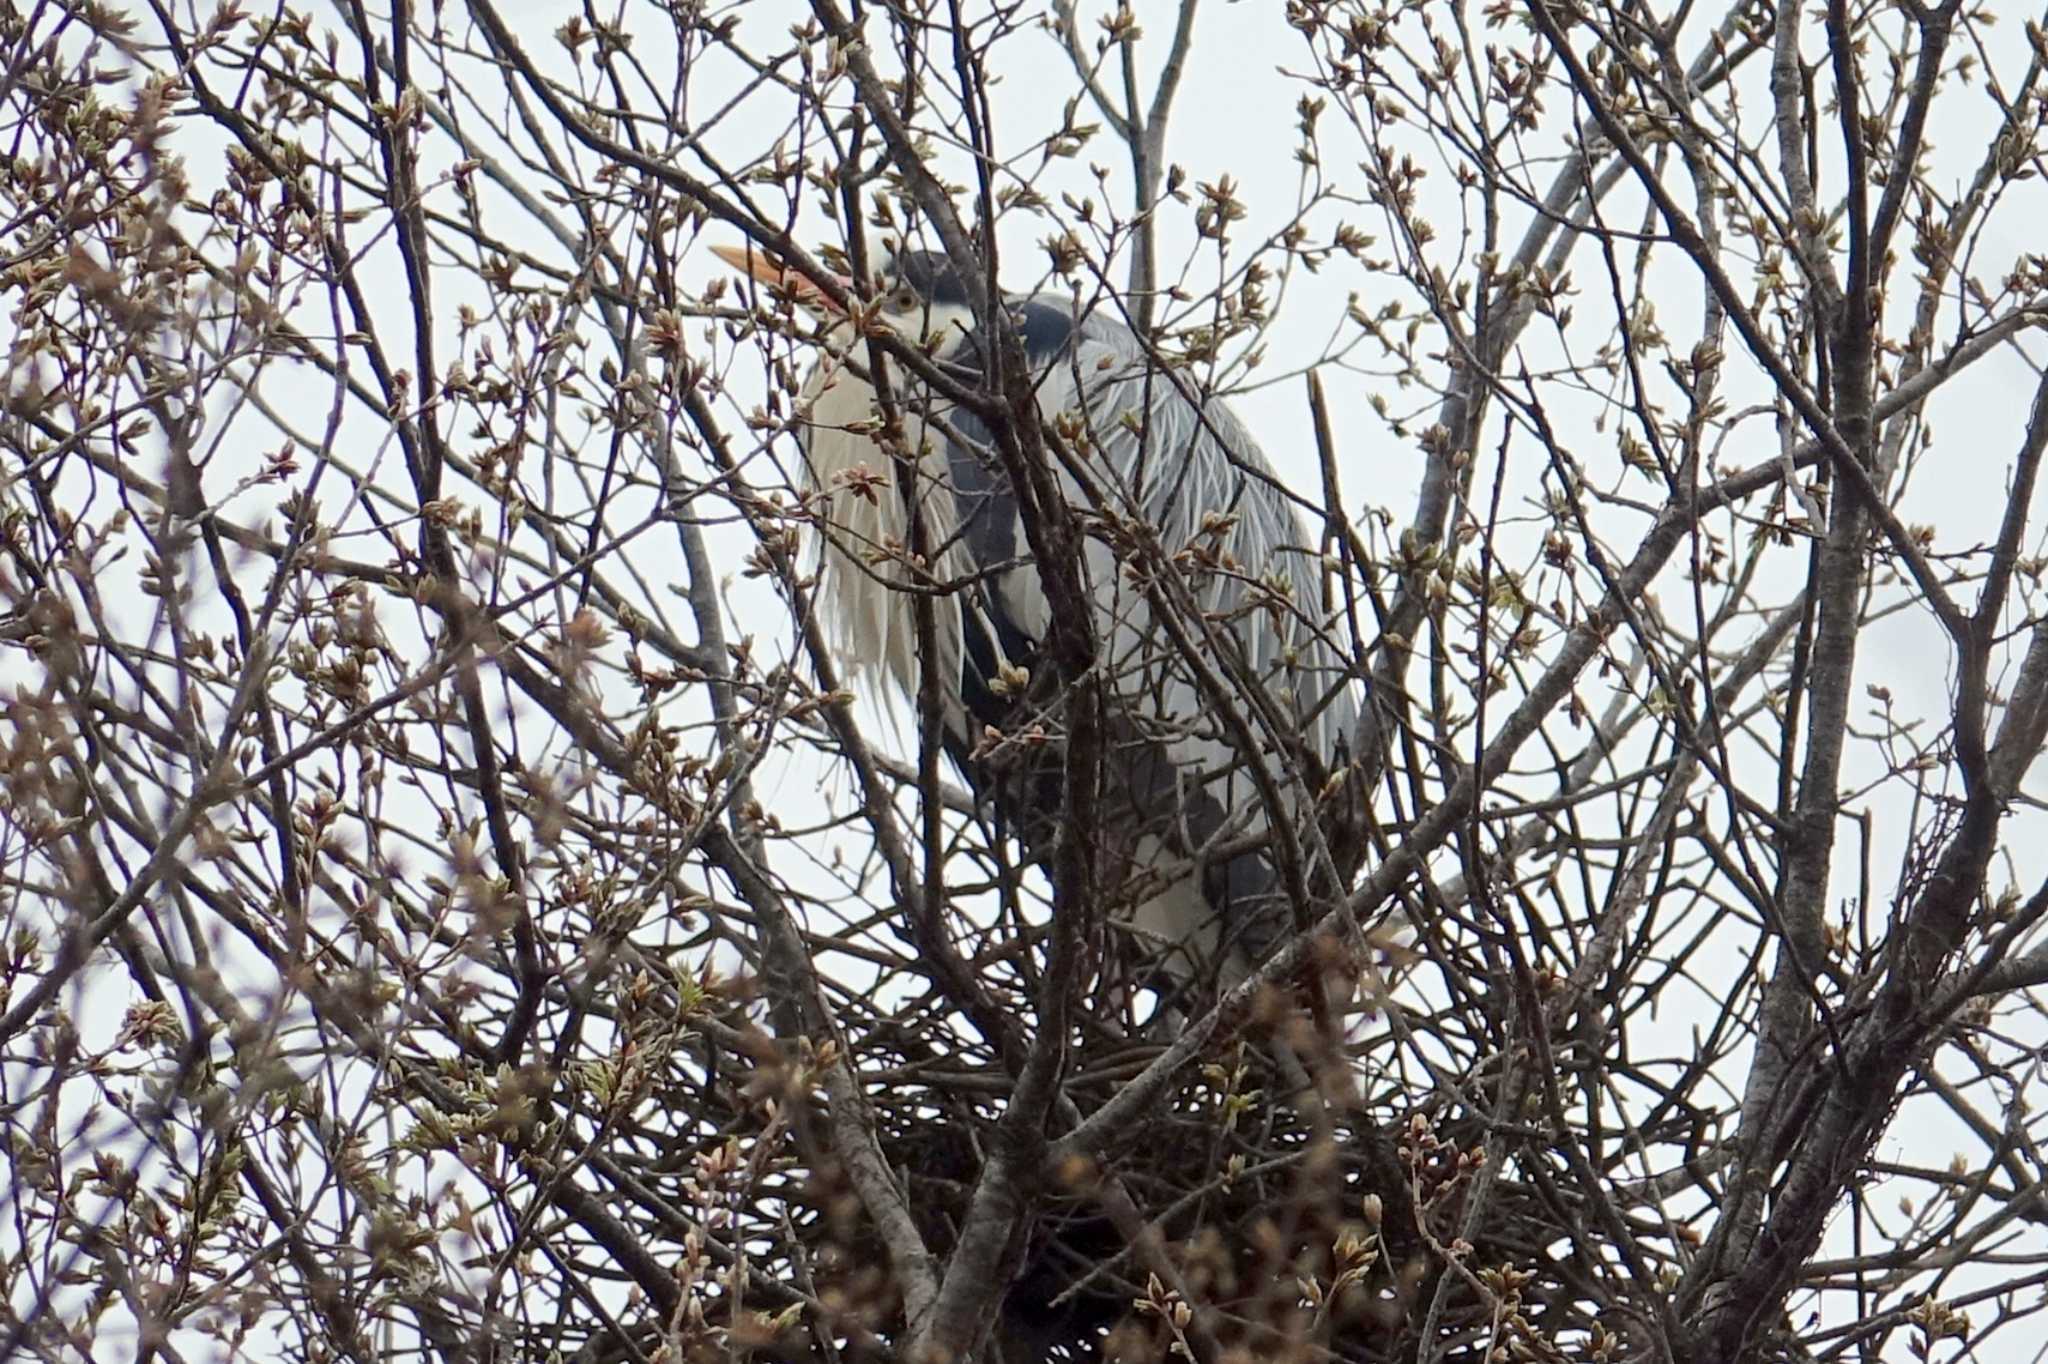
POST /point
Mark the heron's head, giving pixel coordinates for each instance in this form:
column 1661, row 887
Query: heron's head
column 922, row 299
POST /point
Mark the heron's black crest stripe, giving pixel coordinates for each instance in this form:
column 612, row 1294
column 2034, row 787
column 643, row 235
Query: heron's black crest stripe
column 1046, row 330
column 932, row 274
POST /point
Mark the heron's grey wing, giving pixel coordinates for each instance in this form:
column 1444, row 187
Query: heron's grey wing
column 1190, row 471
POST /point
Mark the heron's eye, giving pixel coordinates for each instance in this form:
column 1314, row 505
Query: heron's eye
column 902, row 300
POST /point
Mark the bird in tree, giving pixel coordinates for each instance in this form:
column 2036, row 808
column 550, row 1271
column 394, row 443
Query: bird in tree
column 1227, row 797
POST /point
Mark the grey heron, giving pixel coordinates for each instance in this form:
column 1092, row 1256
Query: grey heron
column 1191, row 831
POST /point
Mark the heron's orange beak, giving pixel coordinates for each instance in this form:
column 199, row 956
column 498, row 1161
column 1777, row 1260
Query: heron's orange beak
column 750, row 262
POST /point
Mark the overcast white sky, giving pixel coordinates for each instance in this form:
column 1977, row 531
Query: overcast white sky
column 1237, row 117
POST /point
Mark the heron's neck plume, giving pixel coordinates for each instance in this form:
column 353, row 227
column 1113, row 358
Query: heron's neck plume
column 872, row 626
